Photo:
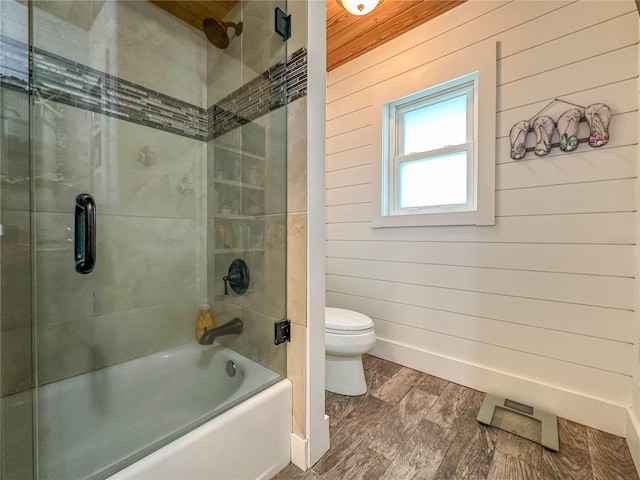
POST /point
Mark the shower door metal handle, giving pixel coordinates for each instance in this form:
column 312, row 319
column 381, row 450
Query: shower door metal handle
column 85, row 233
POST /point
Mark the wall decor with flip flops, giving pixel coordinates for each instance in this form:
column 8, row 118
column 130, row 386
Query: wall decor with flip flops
column 597, row 116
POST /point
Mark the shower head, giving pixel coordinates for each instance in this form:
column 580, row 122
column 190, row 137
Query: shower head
column 216, row 31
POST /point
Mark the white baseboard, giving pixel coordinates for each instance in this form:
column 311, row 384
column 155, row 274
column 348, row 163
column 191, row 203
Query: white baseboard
column 299, row 452
column 594, row 412
column 633, row 437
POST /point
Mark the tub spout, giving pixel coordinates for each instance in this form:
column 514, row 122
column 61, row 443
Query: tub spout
column 234, row 327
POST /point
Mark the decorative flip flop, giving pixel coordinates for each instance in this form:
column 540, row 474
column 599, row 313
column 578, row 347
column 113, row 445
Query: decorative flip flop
column 543, row 127
column 568, row 129
column 598, row 116
column 518, row 137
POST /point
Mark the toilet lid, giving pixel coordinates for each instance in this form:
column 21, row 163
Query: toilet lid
column 346, row 321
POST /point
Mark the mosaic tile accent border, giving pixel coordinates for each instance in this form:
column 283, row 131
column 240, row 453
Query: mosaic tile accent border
column 14, row 64
column 71, row 83
column 283, row 83
column 80, row 86
column 59, row 79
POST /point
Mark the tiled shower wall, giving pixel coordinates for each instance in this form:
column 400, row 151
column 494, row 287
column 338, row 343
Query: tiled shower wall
column 140, row 68
column 297, row 219
column 247, row 204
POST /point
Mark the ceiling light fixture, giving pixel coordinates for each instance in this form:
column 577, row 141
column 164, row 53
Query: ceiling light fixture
column 358, row 7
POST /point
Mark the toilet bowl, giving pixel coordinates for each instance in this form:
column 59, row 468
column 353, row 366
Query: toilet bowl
column 348, row 335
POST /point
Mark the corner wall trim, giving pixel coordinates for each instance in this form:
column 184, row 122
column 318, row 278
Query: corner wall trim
column 322, row 443
column 301, row 455
column 574, row 406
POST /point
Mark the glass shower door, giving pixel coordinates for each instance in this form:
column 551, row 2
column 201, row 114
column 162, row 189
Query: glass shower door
column 125, row 101
column 113, row 121
column 247, row 179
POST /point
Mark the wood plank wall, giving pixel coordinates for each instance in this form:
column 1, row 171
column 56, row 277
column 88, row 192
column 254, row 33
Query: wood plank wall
column 540, row 306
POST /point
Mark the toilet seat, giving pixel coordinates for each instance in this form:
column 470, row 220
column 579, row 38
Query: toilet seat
column 339, row 321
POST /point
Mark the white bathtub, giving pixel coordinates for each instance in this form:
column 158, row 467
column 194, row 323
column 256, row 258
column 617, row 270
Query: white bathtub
column 91, row 424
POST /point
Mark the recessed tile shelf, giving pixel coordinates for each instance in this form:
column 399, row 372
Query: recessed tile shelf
column 239, row 184
column 239, row 250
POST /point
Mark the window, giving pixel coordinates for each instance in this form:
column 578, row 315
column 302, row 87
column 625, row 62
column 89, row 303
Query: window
column 430, row 158
column 434, row 143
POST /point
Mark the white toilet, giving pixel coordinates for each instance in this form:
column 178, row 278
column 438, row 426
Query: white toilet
column 348, row 335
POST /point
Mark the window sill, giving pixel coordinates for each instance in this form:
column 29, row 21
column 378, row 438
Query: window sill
column 432, row 219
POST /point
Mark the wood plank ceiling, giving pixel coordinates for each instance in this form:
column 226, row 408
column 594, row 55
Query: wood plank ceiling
column 349, row 36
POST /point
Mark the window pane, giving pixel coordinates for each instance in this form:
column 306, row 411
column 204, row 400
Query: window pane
column 435, row 126
column 434, row 181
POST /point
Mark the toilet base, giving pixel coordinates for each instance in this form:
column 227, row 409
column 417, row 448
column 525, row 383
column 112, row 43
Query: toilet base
column 345, row 375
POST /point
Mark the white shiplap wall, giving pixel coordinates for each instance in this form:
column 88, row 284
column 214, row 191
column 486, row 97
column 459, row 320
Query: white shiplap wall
column 539, row 307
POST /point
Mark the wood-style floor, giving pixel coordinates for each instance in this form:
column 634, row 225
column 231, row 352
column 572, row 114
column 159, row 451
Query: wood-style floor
column 414, row 426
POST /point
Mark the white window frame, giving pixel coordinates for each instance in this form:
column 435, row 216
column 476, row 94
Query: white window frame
column 394, row 157
column 479, row 59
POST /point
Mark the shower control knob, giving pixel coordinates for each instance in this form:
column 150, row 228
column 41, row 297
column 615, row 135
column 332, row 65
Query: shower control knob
column 237, row 278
